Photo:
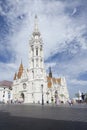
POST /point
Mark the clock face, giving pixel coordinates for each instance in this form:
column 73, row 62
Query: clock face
column 24, row 85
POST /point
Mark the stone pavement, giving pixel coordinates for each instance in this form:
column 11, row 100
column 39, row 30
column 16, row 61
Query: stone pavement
column 31, row 117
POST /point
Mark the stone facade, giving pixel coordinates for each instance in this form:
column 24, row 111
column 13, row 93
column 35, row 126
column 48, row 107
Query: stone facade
column 33, row 85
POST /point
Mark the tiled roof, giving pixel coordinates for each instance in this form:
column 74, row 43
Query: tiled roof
column 59, row 80
column 48, row 78
column 53, row 81
column 20, row 71
column 6, row 83
column 15, row 76
column 49, row 84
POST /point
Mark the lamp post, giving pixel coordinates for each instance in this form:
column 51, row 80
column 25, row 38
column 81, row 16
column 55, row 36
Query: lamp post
column 56, row 96
column 42, row 94
column 47, row 97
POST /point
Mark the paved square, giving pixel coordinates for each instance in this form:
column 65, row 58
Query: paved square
column 36, row 117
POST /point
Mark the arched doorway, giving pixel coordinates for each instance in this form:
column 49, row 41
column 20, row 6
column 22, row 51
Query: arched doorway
column 22, row 96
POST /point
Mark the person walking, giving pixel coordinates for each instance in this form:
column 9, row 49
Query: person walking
column 83, row 97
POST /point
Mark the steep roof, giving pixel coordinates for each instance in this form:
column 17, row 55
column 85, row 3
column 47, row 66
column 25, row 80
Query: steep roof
column 52, row 80
column 59, row 80
column 20, row 71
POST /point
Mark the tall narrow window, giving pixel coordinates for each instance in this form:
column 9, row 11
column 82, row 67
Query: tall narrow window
column 41, row 48
column 32, row 48
column 37, row 62
column 36, row 51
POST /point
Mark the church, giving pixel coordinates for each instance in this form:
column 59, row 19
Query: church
column 33, row 85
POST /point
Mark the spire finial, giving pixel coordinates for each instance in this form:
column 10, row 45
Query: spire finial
column 36, row 24
column 21, row 60
column 35, row 16
column 21, row 65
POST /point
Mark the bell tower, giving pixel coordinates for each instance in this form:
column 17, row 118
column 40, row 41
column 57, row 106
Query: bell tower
column 36, row 59
column 37, row 73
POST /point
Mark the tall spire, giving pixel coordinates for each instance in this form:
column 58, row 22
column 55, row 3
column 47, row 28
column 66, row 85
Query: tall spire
column 36, row 31
column 50, row 72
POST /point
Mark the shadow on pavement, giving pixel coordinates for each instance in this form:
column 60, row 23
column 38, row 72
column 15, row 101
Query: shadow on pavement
column 8, row 122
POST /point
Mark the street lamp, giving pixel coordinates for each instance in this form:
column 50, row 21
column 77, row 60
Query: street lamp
column 42, row 94
column 47, row 97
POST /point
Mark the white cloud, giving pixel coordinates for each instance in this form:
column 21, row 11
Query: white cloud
column 54, row 24
column 78, row 82
column 7, row 71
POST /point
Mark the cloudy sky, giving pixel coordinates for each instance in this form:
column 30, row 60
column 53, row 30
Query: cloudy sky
column 63, row 25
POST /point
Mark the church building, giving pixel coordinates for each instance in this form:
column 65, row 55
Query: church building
column 32, row 85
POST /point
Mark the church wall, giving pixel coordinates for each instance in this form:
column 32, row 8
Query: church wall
column 36, row 78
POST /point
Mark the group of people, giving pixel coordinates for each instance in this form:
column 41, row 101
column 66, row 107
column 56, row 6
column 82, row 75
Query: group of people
column 81, row 99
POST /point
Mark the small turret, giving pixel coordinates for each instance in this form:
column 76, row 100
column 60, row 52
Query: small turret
column 50, row 72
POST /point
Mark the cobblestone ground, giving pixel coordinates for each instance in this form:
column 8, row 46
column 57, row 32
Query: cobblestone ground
column 37, row 117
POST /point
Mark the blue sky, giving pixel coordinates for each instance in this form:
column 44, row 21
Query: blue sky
column 63, row 25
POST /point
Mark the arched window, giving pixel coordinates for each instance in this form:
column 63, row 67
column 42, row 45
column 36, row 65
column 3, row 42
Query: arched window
column 36, row 51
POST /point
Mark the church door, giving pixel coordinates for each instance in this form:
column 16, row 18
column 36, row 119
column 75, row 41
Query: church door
column 23, row 96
